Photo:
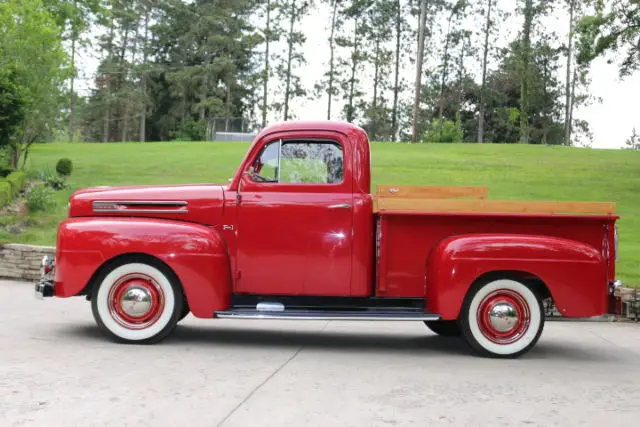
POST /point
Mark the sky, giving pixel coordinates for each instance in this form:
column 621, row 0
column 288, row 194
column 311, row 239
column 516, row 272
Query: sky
column 611, row 120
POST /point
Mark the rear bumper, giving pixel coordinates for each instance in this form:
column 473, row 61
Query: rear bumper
column 44, row 287
column 614, row 287
column 614, row 303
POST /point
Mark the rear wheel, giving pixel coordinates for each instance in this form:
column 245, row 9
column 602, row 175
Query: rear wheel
column 503, row 318
column 445, row 328
column 137, row 301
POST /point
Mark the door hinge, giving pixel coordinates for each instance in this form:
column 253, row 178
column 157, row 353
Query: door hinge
column 238, row 198
column 237, row 275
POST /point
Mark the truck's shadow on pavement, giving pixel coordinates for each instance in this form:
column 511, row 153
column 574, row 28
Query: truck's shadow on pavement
column 364, row 341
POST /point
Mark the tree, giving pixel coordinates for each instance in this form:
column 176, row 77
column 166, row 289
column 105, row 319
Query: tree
column 74, row 17
column 351, row 67
column 398, row 85
column 328, row 85
column 378, row 29
column 485, row 54
column 12, row 108
column 633, row 142
column 420, row 58
column 456, row 11
column 292, row 12
column 611, row 30
column 31, row 48
column 532, row 10
column 271, row 33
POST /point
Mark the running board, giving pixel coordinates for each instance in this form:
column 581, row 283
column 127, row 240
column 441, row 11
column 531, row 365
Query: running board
column 325, row 315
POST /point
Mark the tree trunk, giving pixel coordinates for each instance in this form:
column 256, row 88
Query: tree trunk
column 524, row 79
column 396, row 89
column 125, row 118
column 143, row 112
column 352, row 79
column 289, row 59
column 331, row 58
column 445, row 67
column 568, row 100
column 72, row 96
column 376, row 72
column 265, row 81
column 483, row 85
column 420, row 58
column 107, row 118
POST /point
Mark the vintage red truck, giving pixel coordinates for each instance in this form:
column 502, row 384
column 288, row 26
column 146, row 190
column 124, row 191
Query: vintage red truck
column 297, row 234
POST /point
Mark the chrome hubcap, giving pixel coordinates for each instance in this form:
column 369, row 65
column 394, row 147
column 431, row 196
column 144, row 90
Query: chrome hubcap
column 136, row 301
column 503, row 317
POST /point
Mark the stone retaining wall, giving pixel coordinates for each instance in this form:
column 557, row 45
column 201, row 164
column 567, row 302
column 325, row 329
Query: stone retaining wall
column 22, row 261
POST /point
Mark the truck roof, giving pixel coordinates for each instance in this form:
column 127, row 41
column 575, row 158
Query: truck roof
column 306, row 125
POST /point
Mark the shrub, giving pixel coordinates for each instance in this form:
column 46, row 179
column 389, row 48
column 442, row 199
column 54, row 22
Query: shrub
column 18, row 181
column 449, row 132
column 5, row 193
column 40, row 198
column 5, row 170
column 64, row 167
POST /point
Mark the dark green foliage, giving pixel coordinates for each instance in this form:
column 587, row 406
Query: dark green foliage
column 18, row 181
column 40, row 199
column 12, row 107
column 5, row 170
column 64, row 167
column 609, row 31
column 449, row 131
column 5, row 193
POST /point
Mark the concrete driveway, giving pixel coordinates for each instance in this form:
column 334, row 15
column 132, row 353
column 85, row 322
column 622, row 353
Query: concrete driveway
column 56, row 369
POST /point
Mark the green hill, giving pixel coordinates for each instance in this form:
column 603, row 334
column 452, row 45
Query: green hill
column 510, row 171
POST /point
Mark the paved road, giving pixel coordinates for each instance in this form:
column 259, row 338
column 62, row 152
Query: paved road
column 57, row 370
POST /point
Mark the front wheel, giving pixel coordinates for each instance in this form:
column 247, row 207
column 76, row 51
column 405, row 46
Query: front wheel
column 137, row 301
column 503, row 318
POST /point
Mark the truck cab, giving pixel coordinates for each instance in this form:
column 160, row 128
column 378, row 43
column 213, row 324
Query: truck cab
column 297, row 234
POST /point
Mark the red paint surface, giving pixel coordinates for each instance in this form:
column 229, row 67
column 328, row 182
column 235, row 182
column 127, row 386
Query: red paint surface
column 565, row 252
column 196, row 253
column 284, row 239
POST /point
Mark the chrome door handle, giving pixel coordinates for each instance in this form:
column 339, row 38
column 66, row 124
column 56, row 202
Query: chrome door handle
column 340, row 206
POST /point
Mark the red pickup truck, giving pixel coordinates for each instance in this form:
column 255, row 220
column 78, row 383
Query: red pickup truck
column 298, row 234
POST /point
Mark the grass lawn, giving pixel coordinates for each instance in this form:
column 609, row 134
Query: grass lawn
column 517, row 172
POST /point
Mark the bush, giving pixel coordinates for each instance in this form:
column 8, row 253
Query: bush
column 64, row 167
column 40, row 198
column 451, row 132
column 18, row 181
column 5, row 193
column 5, row 170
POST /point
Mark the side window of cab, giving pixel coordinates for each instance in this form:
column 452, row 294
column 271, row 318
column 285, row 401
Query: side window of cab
column 300, row 162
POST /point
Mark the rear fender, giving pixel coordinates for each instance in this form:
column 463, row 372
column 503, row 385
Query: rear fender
column 196, row 254
column 575, row 274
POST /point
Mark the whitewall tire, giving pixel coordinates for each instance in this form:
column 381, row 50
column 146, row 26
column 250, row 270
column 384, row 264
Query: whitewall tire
column 502, row 318
column 137, row 301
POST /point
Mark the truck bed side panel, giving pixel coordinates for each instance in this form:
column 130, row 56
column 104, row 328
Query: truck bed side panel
column 405, row 241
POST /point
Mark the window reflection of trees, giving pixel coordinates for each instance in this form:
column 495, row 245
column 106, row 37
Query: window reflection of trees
column 311, row 163
column 300, row 162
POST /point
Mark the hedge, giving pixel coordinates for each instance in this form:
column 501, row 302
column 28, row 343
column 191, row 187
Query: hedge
column 18, row 181
column 5, row 193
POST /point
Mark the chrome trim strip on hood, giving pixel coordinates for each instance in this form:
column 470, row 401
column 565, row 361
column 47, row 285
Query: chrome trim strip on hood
column 121, row 206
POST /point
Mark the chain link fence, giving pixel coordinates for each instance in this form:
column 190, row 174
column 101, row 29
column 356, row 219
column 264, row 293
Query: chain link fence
column 231, row 129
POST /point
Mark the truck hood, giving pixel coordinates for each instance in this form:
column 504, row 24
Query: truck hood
column 201, row 203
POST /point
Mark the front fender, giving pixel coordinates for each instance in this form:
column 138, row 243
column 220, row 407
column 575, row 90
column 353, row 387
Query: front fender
column 197, row 254
column 575, row 273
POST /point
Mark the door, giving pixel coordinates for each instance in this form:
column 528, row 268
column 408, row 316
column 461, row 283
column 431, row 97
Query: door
column 295, row 220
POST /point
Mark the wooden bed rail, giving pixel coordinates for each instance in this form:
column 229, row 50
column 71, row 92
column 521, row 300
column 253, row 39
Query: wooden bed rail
column 472, row 199
column 430, row 192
